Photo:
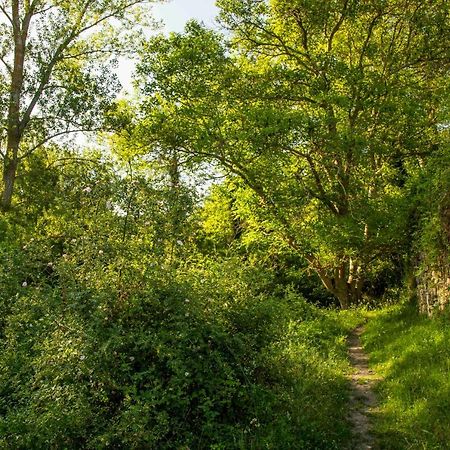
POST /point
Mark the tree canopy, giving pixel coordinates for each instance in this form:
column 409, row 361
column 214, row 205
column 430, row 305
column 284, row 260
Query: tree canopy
column 322, row 109
column 56, row 77
column 188, row 274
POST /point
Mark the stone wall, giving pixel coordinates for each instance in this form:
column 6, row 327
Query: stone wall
column 433, row 281
column 433, row 288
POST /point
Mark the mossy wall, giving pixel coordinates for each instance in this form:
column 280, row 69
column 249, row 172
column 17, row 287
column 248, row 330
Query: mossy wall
column 433, row 273
column 433, row 288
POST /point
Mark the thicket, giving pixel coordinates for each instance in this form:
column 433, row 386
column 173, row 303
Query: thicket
column 109, row 340
column 431, row 196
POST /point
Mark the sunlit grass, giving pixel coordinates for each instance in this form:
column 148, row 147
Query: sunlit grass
column 412, row 353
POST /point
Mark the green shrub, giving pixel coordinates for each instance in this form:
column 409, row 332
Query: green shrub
column 195, row 357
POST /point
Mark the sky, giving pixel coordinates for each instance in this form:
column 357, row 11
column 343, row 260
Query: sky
column 174, row 14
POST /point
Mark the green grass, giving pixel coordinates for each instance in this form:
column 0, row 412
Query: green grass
column 412, row 353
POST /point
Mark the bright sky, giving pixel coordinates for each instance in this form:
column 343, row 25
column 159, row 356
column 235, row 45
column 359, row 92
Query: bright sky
column 177, row 12
column 174, row 14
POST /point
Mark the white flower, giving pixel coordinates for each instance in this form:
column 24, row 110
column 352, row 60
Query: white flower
column 186, row 301
column 82, row 357
column 100, row 252
column 131, row 358
column 186, row 315
column 24, row 284
column 87, row 189
column 186, row 374
column 254, row 422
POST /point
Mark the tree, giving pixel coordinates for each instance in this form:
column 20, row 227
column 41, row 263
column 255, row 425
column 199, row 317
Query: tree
column 169, row 176
column 56, row 58
column 320, row 107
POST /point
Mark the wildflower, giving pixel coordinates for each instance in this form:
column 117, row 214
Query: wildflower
column 82, row 357
column 100, row 252
column 186, row 374
column 24, row 284
column 87, row 189
column 254, row 422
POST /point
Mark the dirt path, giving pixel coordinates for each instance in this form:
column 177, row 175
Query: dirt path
column 362, row 398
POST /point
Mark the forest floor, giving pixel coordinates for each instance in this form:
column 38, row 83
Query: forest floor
column 362, row 398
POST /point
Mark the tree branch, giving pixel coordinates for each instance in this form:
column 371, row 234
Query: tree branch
column 5, row 12
column 8, row 67
column 53, row 136
column 337, row 26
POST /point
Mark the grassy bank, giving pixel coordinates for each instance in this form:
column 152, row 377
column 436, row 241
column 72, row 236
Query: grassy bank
column 412, row 353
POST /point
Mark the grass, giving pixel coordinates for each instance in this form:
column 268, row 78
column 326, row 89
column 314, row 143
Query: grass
column 412, row 353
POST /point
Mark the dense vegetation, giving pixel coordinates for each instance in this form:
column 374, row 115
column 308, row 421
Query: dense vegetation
column 185, row 275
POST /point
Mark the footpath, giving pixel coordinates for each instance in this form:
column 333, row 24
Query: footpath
column 362, row 398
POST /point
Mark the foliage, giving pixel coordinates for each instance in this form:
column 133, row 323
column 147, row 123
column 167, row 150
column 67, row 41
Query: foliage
column 431, row 194
column 136, row 311
column 412, row 353
column 317, row 110
column 115, row 334
column 231, row 222
column 161, row 358
column 55, row 71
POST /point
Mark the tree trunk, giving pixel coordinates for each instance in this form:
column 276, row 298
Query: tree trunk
column 176, row 213
column 9, row 177
column 345, row 283
column 15, row 126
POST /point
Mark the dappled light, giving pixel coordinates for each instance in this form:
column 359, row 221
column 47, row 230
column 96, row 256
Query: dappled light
column 245, row 247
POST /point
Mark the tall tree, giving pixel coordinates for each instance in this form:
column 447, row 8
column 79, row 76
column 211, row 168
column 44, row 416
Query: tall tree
column 319, row 107
column 54, row 77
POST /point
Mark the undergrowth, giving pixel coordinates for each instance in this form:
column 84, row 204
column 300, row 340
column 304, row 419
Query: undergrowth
column 198, row 357
column 412, row 353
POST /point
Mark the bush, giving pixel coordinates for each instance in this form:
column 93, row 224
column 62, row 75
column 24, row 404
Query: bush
column 195, row 357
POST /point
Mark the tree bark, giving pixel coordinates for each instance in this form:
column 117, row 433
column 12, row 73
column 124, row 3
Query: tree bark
column 14, row 133
column 345, row 283
column 9, row 177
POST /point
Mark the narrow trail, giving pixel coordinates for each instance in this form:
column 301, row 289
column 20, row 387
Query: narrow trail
column 362, row 397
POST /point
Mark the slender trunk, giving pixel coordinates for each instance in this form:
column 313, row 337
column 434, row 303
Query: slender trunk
column 15, row 126
column 175, row 185
column 11, row 159
column 9, row 177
